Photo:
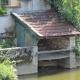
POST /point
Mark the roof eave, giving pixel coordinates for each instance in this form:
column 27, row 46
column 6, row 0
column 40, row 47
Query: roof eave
column 32, row 30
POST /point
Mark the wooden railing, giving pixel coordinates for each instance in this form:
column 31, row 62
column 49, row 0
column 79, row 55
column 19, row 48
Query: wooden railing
column 54, row 51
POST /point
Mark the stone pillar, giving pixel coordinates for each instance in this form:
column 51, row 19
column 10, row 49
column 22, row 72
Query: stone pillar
column 72, row 54
column 35, row 58
column 71, row 61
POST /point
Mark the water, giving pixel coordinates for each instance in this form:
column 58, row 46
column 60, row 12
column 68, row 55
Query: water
column 57, row 74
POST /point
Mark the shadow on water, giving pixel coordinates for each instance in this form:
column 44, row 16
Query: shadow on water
column 54, row 74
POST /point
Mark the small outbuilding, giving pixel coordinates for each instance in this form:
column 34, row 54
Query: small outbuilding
column 54, row 36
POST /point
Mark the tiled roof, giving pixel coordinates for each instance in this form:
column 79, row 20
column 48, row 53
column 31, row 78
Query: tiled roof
column 48, row 24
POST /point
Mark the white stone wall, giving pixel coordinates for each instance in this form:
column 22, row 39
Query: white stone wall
column 26, row 5
column 34, row 5
column 5, row 22
column 29, row 5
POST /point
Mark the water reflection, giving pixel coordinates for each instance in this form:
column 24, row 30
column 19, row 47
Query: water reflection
column 29, row 77
column 56, row 74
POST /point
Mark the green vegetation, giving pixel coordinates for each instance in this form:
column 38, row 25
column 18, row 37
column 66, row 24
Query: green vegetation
column 6, row 43
column 6, row 71
column 70, row 10
column 77, row 48
column 4, row 2
column 2, row 11
column 2, row 8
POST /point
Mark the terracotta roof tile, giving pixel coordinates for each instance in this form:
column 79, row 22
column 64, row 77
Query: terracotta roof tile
column 49, row 23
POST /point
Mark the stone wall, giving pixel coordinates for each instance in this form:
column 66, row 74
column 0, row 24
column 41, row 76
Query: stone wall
column 48, row 63
column 26, row 57
column 78, row 62
column 71, row 61
column 61, row 43
column 28, row 39
column 5, row 22
column 54, row 43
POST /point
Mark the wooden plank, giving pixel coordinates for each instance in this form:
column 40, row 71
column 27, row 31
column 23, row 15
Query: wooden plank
column 52, row 57
column 54, row 51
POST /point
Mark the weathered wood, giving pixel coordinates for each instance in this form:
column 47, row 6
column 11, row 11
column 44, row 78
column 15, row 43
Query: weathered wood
column 52, row 56
column 54, row 51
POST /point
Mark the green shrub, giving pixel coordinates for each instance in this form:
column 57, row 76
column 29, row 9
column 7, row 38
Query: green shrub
column 77, row 50
column 6, row 69
column 77, row 47
column 2, row 11
column 7, row 73
column 6, row 43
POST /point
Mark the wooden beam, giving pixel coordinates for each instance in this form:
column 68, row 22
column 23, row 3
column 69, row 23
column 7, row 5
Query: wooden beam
column 53, row 56
column 54, row 51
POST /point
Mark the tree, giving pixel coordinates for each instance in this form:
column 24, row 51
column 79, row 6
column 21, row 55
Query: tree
column 70, row 10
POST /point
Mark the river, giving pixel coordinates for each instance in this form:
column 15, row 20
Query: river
column 56, row 74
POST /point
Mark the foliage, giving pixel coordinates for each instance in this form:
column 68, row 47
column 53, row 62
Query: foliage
column 6, row 43
column 77, row 50
column 6, row 71
column 4, row 2
column 49, row 1
column 77, row 47
column 2, row 11
column 4, row 58
column 70, row 10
